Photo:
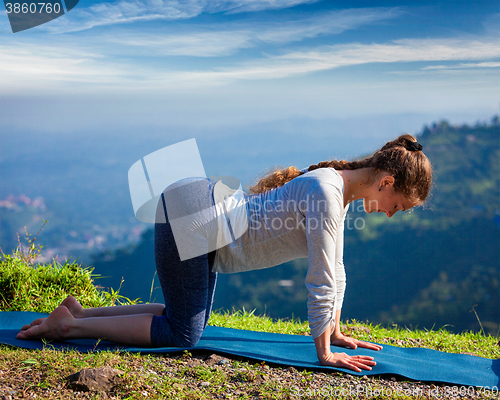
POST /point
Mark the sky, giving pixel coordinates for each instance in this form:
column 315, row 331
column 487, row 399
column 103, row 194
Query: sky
column 367, row 70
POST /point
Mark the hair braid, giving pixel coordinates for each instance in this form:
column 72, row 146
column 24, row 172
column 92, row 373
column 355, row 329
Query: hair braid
column 402, row 158
column 275, row 179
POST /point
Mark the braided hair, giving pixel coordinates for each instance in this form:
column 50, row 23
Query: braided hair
column 402, row 158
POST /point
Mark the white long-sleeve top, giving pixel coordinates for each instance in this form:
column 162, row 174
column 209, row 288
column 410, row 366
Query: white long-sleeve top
column 303, row 218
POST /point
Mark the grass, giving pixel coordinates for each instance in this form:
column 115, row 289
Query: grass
column 28, row 286
column 41, row 373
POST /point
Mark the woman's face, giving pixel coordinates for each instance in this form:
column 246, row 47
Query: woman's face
column 385, row 200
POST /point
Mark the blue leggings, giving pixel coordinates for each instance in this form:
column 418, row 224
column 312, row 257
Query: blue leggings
column 188, row 286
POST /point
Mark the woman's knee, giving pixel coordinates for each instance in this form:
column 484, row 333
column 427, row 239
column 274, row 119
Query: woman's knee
column 188, row 339
column 166, row 333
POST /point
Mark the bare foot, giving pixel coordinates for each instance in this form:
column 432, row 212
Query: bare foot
column 55, row 326
column 74, row 307
column 71, row 303
column 35, row 322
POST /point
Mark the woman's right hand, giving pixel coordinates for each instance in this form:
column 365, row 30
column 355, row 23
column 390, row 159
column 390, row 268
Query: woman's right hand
column 342, row 360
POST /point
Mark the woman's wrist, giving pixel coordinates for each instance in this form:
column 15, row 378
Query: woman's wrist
column 325, row 357
column 322, row 343
column 336, row 335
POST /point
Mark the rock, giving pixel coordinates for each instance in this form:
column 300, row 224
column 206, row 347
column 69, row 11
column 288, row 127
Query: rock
column 205, row 384
column 216, row 359
column 193, row 363
column 101, row 379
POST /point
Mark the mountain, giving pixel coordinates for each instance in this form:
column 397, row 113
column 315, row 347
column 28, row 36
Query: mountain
column 437, row 265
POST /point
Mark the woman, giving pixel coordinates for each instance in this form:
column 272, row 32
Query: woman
column 289, row 214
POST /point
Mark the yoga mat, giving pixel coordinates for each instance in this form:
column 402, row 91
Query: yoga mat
column 417, row 364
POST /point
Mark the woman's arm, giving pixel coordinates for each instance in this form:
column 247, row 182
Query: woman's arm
column 324, row 218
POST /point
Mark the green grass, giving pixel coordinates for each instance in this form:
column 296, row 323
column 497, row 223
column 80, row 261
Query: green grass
column 26, row 286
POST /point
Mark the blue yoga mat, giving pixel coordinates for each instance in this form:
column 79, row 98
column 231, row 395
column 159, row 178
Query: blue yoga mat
column 418, row 364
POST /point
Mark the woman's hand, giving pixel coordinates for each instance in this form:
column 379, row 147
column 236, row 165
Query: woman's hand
column 342, row 360
column 337, row 339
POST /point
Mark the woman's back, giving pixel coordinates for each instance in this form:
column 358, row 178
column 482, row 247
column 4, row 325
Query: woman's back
column 277, row 229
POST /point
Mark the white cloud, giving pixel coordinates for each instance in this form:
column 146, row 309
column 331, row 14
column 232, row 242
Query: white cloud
column 126, row 11
column 206, row 44
column 463, row 66
column 408, row 50
column 333, row 22
column 33, row 66
column 27, row 65
column 239, row 6
column 225, row 39
column 405, row 50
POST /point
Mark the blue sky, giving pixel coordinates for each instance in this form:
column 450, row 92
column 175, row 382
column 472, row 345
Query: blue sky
column 368, row 68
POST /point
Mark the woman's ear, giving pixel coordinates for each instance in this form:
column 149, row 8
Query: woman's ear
column 387, row 180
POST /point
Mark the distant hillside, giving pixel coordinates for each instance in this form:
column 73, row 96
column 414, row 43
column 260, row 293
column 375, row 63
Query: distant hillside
column 438, row 265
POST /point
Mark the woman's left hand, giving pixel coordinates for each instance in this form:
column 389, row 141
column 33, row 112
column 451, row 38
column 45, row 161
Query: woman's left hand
column 346, row 341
